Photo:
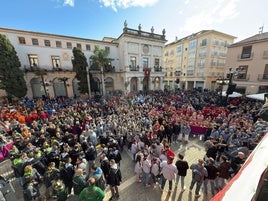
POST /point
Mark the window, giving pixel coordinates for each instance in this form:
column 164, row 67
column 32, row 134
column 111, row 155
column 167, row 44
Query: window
column 55, row 62
column 107, row 49
column 171, row 52
column 133, row 62
column 156, row 62
column 47, row 43
column 33, row 59
column 179, row 49
column 145, row 62
column 78, row 45
column 22, row 40
column 88, row 47
column 192, row 44
column 242, row 74
column 246, row 52
column 204, row 42
column 58, row 44
column 69, row 45
column 35, row 41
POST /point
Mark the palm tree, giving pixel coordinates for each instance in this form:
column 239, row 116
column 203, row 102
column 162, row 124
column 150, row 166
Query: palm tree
column 100, row 59
column 40, row 73
column 64, row 80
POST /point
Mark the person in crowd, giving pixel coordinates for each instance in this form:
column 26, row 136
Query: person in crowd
column 49, row 175
column 182, row 167
column 59, row 187
column 146, row 169
column 155, row 170
column 237, row 162
column 199, row 172
column 138, row 168
column 169, row 172
column 67, row 173
column 79, row 181
column 104, row 165
column 92, row 192
column 223, row 172
column 114, row 179
column 212, row 171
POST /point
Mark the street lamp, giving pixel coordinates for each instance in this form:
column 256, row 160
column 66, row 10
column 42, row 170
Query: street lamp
column 222, row 81
column 231, row 74
column 88, row 82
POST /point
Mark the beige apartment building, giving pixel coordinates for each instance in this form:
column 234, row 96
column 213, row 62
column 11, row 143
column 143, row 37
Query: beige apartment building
column 250, row 55
column 196, row 61
column 136, row 61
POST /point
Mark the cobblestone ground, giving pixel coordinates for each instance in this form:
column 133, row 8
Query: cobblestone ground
column 132, row 191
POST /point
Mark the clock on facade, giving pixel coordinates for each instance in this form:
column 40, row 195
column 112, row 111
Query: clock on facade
column 145, row 49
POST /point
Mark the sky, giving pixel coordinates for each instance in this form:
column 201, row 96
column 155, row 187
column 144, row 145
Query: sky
column 95, row 19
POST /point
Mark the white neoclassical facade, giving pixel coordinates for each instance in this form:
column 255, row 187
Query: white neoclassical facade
column 136, row 61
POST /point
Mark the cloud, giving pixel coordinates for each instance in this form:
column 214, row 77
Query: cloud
column 115, row 4
column 209, row 13
column 68, row 3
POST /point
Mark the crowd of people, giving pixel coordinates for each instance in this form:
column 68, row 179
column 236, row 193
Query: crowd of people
column 56, row 141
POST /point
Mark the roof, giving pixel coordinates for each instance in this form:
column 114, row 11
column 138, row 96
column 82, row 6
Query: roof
column 194, row 35
column 253, row 39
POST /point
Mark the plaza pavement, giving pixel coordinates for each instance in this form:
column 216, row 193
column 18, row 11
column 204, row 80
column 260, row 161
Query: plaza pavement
column 130, row 190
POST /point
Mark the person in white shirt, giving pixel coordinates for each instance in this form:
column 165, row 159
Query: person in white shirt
column 155, row 170
column 169, row 172
column 146, row 169
column 138, row 168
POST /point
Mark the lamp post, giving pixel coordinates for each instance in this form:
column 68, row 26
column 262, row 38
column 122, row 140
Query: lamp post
column 222, row 81
column 88, row 82
column 231, row 74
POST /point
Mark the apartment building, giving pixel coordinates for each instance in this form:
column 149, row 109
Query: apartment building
column 196, row 61
column 250, row 55
column 136, row 61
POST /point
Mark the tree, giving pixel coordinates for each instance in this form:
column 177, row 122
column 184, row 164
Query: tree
column 100, row 59
column 11, row 76
column 80, row 67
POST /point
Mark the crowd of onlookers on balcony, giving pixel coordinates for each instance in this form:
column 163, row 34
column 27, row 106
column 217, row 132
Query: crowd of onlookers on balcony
column 55, row 140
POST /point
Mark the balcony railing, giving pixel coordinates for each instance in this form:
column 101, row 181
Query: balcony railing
column 263, row 77
column 134, row 68
column 28, row 69
column 241, row 77
column 158, row 68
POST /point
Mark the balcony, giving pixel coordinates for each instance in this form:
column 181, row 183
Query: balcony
column 241, row 77
column 134, row 68
column 158, row 68
column 28, row 69
column 263, row 77
column 245, row 56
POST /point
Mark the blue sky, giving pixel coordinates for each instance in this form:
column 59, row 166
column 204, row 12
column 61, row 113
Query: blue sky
column 95, row 19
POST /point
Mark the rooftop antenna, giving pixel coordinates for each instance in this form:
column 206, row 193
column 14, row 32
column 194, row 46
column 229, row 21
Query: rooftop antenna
column 261, row 29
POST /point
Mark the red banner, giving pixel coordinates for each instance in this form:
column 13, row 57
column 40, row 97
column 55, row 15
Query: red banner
column 147, row 72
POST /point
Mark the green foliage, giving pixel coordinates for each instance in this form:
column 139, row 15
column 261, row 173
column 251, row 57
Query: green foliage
column 79, row 66
column 11, row 76
column 100, row 58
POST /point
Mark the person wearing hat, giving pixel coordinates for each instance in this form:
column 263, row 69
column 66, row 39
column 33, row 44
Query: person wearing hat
column 169, row 171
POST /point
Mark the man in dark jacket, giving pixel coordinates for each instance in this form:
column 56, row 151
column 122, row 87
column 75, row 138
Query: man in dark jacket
column 182, row 167
column 114, row 179
column 105, row 165
column 79, row 181
column 212, row 175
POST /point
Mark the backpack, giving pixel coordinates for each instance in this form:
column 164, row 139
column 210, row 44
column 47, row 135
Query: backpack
column 197, row 175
